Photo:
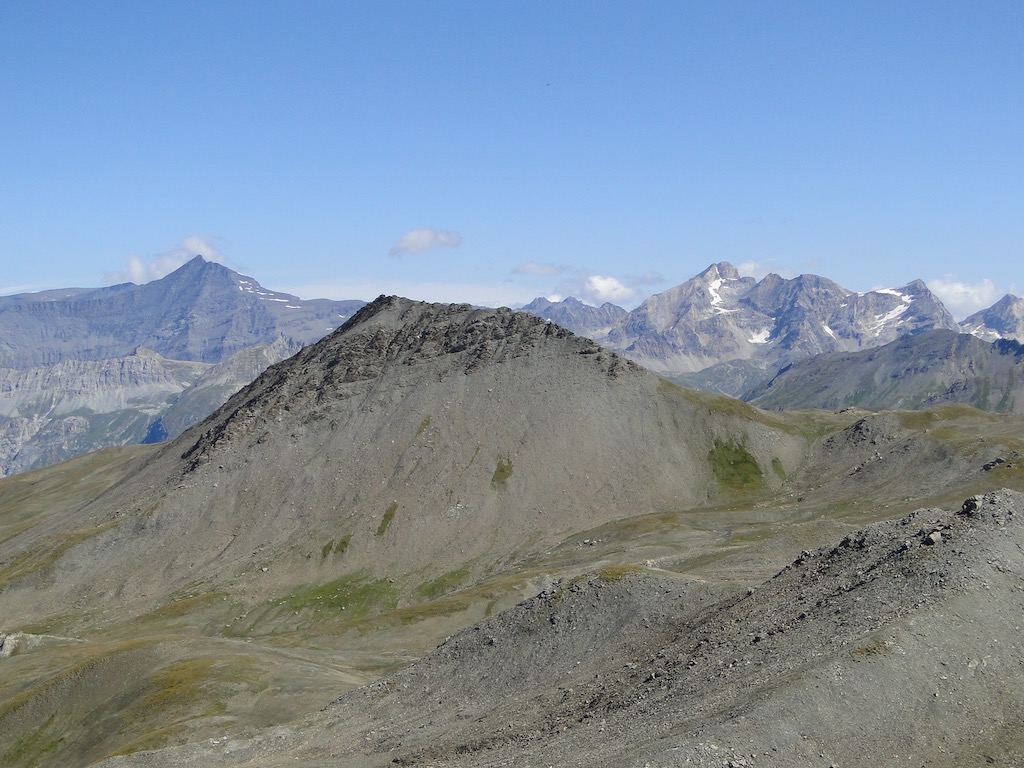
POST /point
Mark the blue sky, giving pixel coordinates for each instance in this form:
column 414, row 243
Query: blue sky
column 493, row 152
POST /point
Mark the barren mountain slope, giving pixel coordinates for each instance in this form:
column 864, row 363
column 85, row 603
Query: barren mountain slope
column 900, row 644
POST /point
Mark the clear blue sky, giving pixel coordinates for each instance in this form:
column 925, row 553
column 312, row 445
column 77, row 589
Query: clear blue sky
column 497, row 151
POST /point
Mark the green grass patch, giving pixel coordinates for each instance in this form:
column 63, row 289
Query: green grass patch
column 338, row 546
column 736, row 470
column 443, row 583
column 777, row 467
column 356, row 594
column 34, row 745
column 502, row 472
column 389, row 515
column 423, row 426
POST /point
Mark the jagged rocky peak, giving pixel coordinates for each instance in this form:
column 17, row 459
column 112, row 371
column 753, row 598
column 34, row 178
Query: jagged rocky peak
column 1003, row 320
column 722, row 270
column 775, row 295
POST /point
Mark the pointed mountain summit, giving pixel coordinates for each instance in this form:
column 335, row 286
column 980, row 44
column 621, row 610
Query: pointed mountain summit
column 201, row 312
column 1003, row 320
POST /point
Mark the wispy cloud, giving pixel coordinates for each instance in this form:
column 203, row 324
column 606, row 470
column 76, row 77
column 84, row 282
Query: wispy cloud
column 139, row 270
column 537, row 268
column 423, row 239
column 602, row 288
column 963, row 299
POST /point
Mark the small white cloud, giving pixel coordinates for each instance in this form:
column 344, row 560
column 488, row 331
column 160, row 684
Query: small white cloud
column 140, row 270
column 423, row 239
column 963, row 299
column 602, row 288
column 536, row 268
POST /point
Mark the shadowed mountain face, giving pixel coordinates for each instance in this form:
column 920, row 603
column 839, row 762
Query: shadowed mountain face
column 922, row 371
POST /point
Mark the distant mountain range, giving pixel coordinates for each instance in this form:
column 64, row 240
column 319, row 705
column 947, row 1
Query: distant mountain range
column 726, row 333
column 85, row 368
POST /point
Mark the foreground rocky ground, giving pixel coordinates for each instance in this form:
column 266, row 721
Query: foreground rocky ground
column 899, row 645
